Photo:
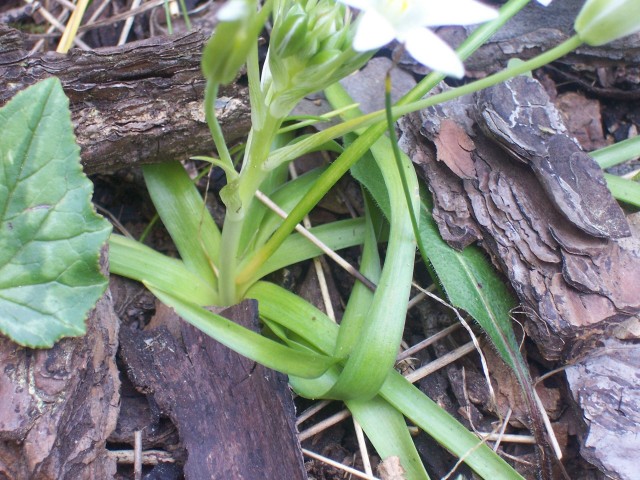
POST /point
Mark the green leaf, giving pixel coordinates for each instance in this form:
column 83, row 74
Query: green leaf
column 471, row 284
column 51, row 236
column 183, row 213
column 246, row 342
column 387, row 429
column 444, row 429
column 296, row 248
column 617, row 153
column 624, row 189
column 315, row 328
column 135, row 260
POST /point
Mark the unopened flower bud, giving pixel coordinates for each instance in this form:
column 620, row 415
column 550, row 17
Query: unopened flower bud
column 310, row 49
column 228, row 48
column 602, row 21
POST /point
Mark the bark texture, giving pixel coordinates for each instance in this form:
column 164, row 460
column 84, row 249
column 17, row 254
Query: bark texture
column 135, row 104
column 503, row 171
column 235, row 417
column 58, row 406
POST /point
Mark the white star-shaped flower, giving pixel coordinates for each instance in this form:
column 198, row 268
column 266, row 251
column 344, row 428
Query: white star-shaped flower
column 382, row 21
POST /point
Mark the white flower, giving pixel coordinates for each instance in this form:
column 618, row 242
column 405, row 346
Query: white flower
column 544, row 2
column 406, row 21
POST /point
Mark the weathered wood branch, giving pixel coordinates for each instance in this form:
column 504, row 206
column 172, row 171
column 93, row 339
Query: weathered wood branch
column 139, row 103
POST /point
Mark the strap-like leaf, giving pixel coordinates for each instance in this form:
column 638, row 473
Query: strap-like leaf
column 183, row 213
column 246, row 342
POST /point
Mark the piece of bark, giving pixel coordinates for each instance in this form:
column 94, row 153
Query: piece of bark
column 574, row 285
column 135, row 104
column 519, row 115
column 536, row 29
column 235, row 417
column 58, row 406
column 582, row 118
column 605, row 389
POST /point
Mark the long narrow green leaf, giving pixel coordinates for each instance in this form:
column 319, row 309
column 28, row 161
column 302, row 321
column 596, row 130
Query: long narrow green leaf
column 472, row 284
column 444, row 429
column 296, row 248
column 361, row 297
column 319, row 331
column 387, row 429
column 134, row 260
column 617, row 153
column 623, row 189
column 183, row 213
column 296, row 314
column 467, row 277
column 246, row 342
column 286, row 197
column 374, row 355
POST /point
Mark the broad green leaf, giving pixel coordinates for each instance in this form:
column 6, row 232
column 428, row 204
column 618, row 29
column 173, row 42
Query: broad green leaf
column 51, row 237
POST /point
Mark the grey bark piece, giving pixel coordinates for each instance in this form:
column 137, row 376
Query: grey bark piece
column 58, row 406
column 605, row 388
column 536, row 29
column 135, row 104
column 574, row 284
column 520, row 116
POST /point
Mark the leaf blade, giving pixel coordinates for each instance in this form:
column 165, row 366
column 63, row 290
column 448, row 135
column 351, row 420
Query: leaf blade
column 49, row 264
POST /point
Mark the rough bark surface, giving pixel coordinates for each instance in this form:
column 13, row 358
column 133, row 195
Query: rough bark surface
column 58, row 406
column 604, row 386
column 538, row 204
column 139, row 103
column 613, row 67
column 235, row 417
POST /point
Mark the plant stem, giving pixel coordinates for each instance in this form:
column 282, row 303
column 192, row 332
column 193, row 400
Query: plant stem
column 210, row 95
column 377, row 128
column 237, row 196
column 403, row 107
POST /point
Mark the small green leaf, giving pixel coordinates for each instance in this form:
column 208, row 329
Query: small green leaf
column 51, row 236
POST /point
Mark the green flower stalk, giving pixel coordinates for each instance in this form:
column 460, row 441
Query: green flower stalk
column 603, row 21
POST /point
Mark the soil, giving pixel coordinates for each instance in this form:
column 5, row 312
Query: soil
column 140, row 382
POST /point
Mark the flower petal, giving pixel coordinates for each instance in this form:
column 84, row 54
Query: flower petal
column 373, row 32
column 233, row 10
column 456, row 12
column 544, row 2
column 430, row 50
column 359, row 4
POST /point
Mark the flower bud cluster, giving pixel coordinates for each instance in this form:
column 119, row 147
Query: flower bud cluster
column 311, row 48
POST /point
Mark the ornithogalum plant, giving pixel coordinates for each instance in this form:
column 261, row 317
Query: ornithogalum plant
column 313, row 44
